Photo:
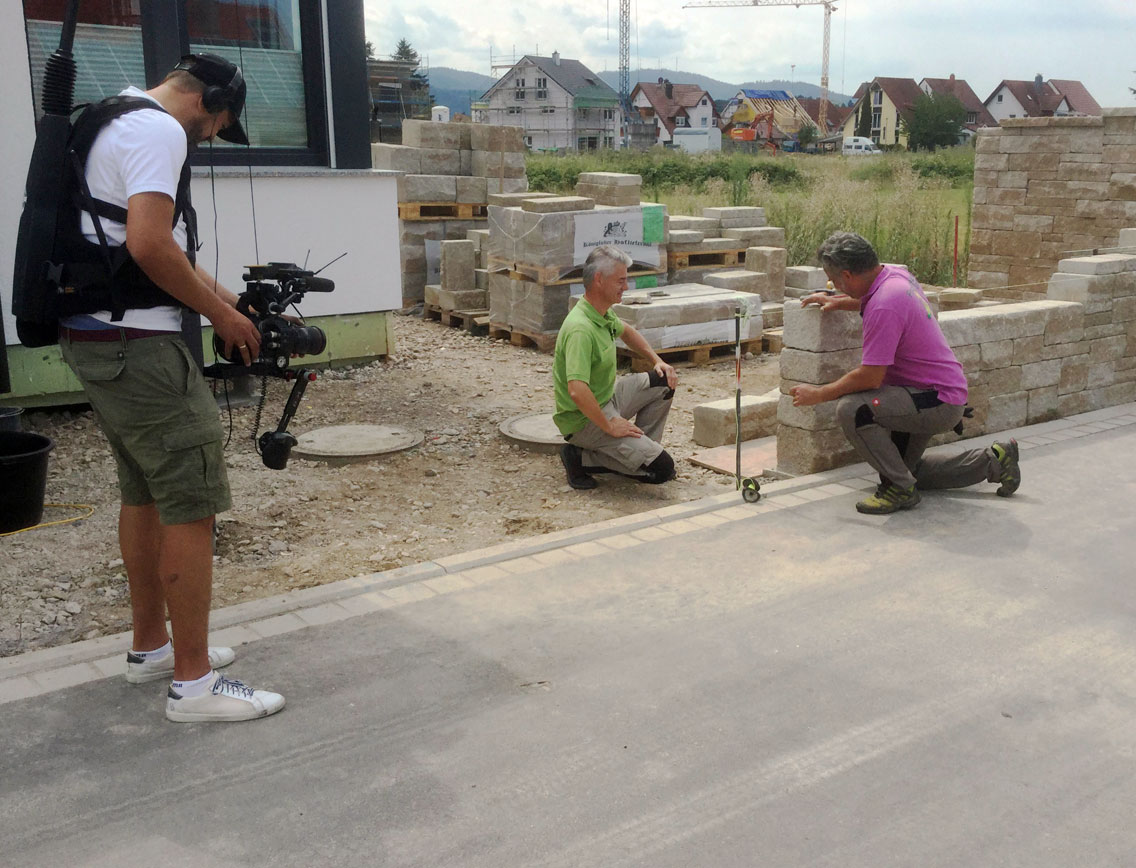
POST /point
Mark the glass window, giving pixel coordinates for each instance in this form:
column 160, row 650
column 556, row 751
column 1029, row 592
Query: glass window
column 107, row 49
column 263, row 37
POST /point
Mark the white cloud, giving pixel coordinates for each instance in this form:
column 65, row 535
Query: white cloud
column 983, row 41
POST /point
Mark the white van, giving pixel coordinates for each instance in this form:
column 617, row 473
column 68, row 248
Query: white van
column 859, row 146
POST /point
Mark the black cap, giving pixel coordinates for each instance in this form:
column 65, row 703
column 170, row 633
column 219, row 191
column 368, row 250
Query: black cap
column 212, row 69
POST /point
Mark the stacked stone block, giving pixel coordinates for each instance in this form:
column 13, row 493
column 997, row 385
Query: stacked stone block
column 715, row 423
column 610, row 188
column 447, row 164
column 1045, row 189
column 818, row 348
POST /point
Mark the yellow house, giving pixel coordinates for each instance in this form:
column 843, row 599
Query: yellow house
column 889, row 102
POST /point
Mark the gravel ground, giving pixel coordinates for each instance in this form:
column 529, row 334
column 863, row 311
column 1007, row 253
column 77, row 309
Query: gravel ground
column 464, row 488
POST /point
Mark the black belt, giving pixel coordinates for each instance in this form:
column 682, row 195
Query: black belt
column 111, row 334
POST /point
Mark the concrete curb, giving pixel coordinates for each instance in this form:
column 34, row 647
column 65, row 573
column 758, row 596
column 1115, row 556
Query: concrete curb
column 48, row 669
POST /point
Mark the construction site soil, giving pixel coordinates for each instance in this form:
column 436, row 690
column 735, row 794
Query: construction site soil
column 465, row 487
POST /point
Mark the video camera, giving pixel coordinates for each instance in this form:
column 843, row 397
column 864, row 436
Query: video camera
column 269, row 291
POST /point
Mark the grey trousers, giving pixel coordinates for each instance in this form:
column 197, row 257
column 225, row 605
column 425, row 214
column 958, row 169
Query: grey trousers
column 647, row 406
column 890, row 433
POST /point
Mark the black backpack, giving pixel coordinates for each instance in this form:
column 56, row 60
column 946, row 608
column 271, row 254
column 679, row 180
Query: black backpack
column 59, row 272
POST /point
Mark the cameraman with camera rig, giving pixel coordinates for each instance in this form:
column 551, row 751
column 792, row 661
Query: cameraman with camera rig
column 149, row 396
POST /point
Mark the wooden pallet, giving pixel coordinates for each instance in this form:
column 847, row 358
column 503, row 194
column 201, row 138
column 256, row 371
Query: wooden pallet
column 544, row 342
column 709, row 259
column 701, row 354
column 417, row 211
column 475, row 322
column 556, row 275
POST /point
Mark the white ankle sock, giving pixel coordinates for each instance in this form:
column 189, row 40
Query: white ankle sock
column 157, row 653
column 196, row 687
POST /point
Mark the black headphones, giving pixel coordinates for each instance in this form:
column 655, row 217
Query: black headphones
column 215, row 98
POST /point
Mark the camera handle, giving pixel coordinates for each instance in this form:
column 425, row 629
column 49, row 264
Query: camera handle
column 276, row 446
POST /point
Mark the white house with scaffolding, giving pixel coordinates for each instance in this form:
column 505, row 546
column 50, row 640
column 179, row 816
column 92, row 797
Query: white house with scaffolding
column 561, row 104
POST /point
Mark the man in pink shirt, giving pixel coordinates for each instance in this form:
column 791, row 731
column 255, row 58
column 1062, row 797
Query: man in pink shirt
column 909, row 385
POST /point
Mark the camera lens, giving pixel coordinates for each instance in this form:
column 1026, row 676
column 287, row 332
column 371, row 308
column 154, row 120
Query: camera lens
column 306, row 340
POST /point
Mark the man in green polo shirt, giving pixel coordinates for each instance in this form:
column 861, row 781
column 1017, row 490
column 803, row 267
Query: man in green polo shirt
column 594, row 410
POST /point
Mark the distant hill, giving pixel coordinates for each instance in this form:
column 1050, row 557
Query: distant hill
column 456, row 88
column 721, row 89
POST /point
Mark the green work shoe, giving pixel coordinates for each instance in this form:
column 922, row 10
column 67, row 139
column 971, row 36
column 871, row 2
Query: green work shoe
column 888, row 499
column 1011, row 478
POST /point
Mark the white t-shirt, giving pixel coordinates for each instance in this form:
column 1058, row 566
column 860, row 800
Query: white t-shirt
column 140, row 152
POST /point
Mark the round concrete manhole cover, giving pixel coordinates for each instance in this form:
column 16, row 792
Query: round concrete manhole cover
column 536, row 432
column 349, row 443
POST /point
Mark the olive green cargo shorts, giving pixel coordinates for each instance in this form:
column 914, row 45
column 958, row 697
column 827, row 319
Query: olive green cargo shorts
column 151, row 401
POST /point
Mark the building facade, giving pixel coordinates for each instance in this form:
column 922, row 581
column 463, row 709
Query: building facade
column 562, row 105
column 670, row 106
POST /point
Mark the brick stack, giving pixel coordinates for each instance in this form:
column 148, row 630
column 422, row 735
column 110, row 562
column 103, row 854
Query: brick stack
column 1046, row 189
column 451, row 170
column 818, row 348
column 532, row 252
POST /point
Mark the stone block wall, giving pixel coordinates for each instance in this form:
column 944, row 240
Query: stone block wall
column 1025, row 362
column 1046, row 189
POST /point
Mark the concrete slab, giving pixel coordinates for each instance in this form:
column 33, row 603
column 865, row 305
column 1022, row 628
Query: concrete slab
column 948, row 686
column 349, row 443
column 535, row 432
column 757, row 457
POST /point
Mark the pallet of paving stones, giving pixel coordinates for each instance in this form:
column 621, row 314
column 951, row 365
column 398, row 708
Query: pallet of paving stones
column 693, row 356
column 419, row 211
column 544, row 342
column 706, row 259
column 475, row 322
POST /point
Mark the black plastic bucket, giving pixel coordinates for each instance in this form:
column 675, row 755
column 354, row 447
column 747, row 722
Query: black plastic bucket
column 10, row 418
column 23, row 478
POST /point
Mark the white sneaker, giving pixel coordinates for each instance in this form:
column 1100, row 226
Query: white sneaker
column 139, row 671
column 226, row 699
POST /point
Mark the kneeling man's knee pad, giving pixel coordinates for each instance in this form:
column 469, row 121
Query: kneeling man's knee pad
column 661, row 470
column 655, row 380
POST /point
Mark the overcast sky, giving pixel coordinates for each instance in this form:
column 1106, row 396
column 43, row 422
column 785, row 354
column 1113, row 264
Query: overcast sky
column 983, row 41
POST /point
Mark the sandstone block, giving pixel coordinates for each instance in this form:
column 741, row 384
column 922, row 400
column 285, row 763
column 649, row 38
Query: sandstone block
column 497, row 164
column 801, row 452
column 428, row 134
column 458, row 262
column 1105, row 263
column 732, row 213
column 514, row 200
column 805, row 277
column 556, row 204
column 487, row 137
column 1007, row 411
column 1040, row 374
column 465, row 161
column 817, row 368
column 481, row 278
column 686, row 236
column 494, row 186
column 771, row 260
column 440, row 161
column 758, row 236
column 996, row 354
column 708, row 226
column 706, row 245
column 1042, row 405
column 743, row 222
column 396, row 158
column 1074, row 375
column 470, row 190
column 715, row 423
column 610, row 195
column 1066, row 323
column 427, row 188
column 739, row 281
column 1028, row 349
column 1122, row 186
column 462, row 299
column 1127, row 238
column 773, row 314
column 1108, row 349
column 982, row 324
column 611, row 179
column 819, row 417
column 479, row 237
column 807, row 328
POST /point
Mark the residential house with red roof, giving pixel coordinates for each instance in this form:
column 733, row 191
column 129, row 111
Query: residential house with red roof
column 674, row 105
column 1040, row 98
column 889, row 102
column 977, row 115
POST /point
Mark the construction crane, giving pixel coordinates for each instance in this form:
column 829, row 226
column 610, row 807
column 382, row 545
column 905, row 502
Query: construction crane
column 829, row 8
